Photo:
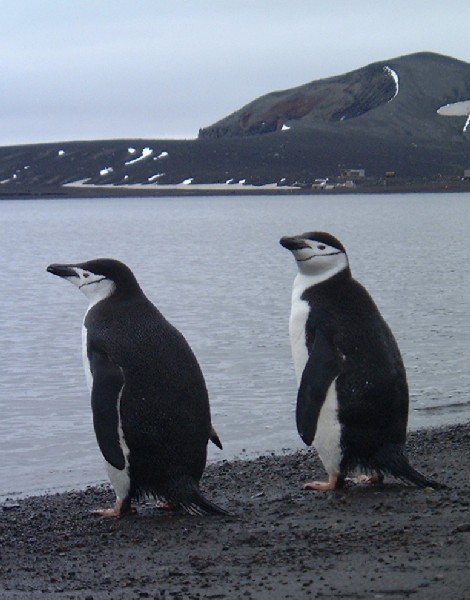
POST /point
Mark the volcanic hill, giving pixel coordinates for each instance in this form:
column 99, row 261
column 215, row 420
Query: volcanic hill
column 377, row 120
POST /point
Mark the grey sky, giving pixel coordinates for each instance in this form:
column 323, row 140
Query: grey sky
column 91, row 69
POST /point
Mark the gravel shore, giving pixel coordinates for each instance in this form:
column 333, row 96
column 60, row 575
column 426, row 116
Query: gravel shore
column 388, row 541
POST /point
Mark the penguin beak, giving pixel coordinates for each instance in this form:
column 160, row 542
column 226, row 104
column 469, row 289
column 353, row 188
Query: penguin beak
column 61, row 270
column 293, row 243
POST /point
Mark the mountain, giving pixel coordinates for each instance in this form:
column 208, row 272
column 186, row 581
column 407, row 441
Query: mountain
column 382, row 118
column 397, row 98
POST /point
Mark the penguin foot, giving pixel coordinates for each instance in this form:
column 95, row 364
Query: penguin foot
column 334, row 482
column 164, row 505
column 121, row 508
column 369, row 479
column 319, row 485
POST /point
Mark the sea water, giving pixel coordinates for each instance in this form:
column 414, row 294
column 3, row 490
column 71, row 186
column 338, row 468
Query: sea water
column 214, row 267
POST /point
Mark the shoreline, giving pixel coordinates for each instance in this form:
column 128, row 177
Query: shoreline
column 388, row 541
column 14, row 192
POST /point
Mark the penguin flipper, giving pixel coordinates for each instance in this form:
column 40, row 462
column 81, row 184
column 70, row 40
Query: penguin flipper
column 214, row 438
column 108, row 382
column 319, row 373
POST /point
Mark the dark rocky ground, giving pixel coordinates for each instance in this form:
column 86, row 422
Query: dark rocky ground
column 39, row 169
column 389, row 541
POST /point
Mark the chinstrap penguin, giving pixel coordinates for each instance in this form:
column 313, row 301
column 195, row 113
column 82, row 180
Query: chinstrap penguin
column 352, row 400
column 149, row 400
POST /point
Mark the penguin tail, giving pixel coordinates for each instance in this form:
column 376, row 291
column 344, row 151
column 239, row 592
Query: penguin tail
column 198, row 505
column 188, row 496
column 400, row 467
column 406, row 471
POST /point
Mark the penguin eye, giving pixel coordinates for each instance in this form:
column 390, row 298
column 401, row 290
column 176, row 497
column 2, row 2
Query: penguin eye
column 321, row 247
column 86, row 274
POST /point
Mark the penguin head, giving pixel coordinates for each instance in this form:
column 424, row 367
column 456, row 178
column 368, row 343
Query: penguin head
column 98, row 278
column 318, row 254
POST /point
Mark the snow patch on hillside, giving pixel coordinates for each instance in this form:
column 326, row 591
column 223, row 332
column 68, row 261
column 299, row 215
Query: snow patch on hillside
column 145, row 153
column 396, row 79
column 155, row 177
column 457, row 109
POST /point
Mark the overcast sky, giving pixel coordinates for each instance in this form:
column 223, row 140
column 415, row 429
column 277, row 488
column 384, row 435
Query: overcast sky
column 92, row 69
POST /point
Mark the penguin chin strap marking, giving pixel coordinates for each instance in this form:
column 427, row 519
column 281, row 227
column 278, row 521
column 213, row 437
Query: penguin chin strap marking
column 91, row 282
column 315, row 255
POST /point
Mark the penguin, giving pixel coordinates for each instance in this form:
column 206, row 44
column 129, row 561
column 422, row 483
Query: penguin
column 149, row 400
column 352, row 400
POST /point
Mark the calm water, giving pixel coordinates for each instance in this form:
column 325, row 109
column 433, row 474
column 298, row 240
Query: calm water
column 215, row 268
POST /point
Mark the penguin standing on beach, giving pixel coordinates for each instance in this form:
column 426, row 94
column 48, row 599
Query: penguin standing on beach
column 352, row 401
column 149, row 400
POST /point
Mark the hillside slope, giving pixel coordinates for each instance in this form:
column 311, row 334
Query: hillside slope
column 381, row 118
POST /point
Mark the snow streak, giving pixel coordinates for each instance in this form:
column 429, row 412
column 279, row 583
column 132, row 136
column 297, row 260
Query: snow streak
column 393, row 74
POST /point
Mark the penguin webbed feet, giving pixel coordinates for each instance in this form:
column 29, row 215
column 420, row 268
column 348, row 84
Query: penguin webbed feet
column 120, row 509
column 335, row 482
column 369, row 479
column 338, row 482
column 165, row 505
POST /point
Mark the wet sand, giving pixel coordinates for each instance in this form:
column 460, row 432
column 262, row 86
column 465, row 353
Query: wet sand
column 388, row 541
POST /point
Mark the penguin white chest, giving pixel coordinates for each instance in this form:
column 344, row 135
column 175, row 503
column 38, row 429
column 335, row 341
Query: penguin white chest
column 327, row 440
column 298, row 320
column 298, row 341
column 86, row 362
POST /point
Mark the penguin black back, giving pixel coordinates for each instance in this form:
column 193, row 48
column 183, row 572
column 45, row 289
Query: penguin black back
column 372, row 382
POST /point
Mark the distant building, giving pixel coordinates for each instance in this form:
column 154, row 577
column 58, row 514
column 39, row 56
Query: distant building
column 390, row 174
column 466, row 174
column 319, row 183
column 353, row 173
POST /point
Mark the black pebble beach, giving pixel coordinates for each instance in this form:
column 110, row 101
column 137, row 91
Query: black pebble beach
column 387, row 541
